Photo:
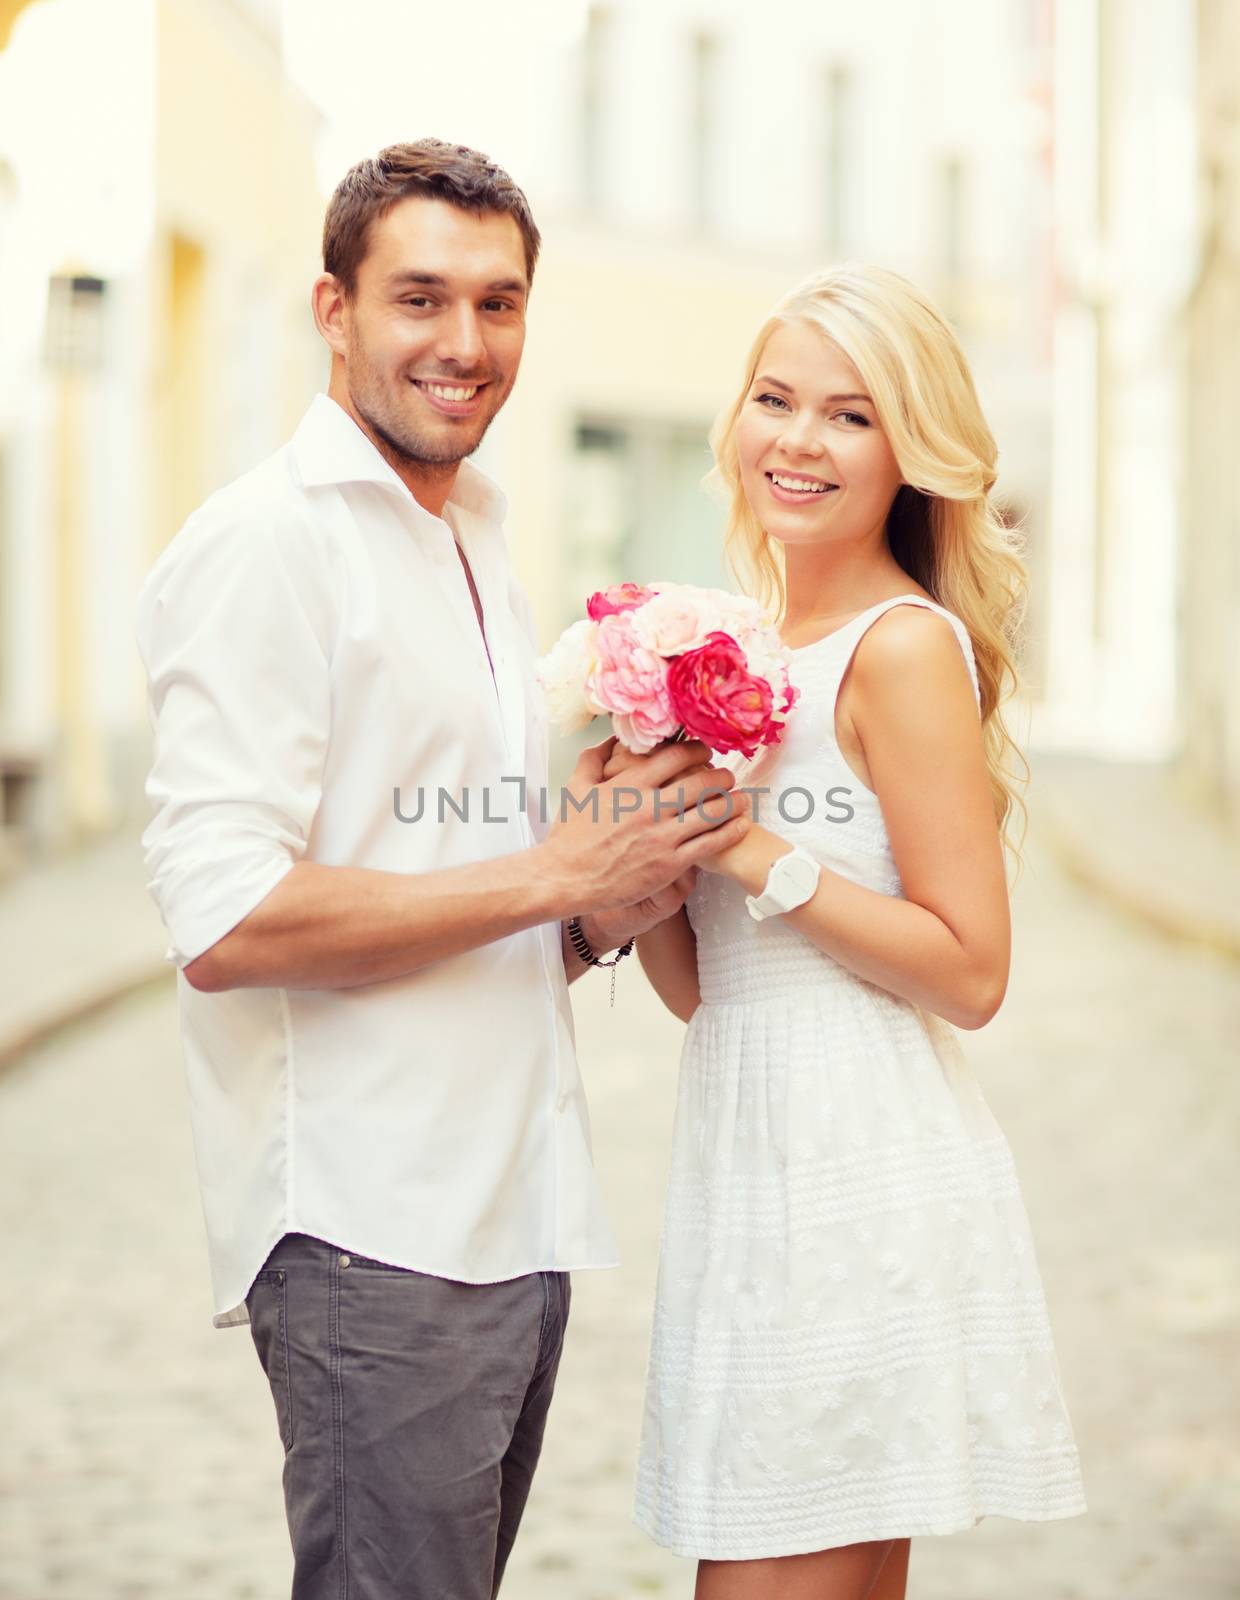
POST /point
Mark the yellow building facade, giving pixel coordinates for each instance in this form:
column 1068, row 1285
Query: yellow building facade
column 171, row 349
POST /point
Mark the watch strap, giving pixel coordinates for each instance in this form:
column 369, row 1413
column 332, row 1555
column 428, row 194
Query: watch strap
column 767, row 904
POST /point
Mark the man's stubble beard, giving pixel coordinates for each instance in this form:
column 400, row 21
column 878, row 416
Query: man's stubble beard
column 383, row 417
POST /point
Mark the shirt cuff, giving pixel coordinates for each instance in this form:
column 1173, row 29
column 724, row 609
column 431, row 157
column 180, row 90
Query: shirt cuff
column 220, row 906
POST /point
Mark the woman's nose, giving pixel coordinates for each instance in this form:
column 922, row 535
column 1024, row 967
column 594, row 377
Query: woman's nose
column 800, row 437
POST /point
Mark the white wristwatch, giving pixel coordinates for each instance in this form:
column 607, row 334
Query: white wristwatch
column 789, row 884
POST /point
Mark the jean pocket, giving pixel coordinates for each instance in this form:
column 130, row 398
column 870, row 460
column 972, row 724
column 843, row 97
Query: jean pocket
column 370, row 1264
column 268, row 1307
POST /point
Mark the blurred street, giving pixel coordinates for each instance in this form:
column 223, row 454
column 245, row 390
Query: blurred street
column 139, row 1455
column 158, row 343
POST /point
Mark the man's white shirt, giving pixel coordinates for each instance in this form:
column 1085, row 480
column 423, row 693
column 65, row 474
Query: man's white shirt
column 312, row 647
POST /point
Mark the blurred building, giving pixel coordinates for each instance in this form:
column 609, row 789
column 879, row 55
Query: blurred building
column 1037, row 165
column 1126, row 243
column 1059, row 174
column 1143, row 600
column 689, row 164
column 1209, row 655
column 158, row 231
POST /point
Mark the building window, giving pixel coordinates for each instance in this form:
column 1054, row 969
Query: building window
column 592, row 150
column 836, row 115
column 953, row 236
column 702, row 132
column 636, row 510
column 74, row 332
column 597, row 516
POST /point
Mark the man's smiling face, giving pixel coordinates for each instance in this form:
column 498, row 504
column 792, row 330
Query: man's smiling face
column 435, row 329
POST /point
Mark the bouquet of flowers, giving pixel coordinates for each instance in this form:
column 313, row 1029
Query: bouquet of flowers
column 671, row 661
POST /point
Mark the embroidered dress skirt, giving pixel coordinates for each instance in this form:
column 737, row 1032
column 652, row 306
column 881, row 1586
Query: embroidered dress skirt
column 850, row 1336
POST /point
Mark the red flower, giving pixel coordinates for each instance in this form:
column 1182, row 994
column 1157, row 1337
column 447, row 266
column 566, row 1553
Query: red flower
column 620, row 597
column 719, row 701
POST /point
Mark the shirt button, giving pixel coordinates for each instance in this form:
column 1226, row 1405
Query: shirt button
column 562, row 1103
column 344, row 1261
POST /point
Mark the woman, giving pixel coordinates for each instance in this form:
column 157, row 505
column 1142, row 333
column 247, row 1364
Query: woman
column 850, row 1341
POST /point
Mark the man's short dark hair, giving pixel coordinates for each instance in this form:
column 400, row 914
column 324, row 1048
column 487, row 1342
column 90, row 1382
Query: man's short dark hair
column 453, row 172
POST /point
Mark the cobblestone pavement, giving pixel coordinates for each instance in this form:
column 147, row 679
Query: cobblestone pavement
column 138, row 1453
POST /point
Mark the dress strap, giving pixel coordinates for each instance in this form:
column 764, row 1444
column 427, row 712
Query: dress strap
column 865, row 619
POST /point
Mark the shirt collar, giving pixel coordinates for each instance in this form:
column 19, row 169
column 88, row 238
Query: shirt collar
column 329, row 448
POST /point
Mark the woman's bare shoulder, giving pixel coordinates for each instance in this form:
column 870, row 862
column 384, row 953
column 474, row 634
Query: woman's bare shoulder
column 912, row 651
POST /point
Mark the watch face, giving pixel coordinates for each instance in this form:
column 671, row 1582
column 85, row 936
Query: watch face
column 798, row 876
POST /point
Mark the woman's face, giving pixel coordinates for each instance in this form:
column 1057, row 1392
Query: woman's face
column 815, row 464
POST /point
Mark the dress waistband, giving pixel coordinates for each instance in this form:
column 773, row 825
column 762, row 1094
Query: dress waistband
column 773, row 962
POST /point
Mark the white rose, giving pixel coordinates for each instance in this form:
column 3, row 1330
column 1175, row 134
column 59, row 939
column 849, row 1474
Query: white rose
column 765, row 654
column 742, row 606
column 563, row 672
column 677, row 619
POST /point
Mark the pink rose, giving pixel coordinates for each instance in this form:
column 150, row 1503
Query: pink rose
column 640, row 731
column 630, row 682
column 718, row 700
column 620, row 597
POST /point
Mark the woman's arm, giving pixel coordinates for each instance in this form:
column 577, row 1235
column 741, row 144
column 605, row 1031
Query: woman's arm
column 668, row 950
column 947, row 944
column 668, row 954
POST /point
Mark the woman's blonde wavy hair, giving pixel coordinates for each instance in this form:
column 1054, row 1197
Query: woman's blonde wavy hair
column 943, row 529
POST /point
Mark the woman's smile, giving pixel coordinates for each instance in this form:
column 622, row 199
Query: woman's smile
column 794, row 488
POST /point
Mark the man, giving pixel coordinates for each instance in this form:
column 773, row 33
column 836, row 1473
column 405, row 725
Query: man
column 389, row 1124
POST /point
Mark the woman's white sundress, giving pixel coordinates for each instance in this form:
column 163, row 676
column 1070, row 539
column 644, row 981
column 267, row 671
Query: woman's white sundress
column 850, row 1336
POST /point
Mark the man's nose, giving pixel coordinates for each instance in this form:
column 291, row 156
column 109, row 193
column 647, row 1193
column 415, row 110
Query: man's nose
column 460, row 338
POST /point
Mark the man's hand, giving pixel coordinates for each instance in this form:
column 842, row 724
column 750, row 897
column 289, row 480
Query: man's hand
column 622, row 758
column 635, row 836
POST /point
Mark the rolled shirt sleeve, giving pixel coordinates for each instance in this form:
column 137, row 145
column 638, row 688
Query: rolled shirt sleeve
column 235, row 639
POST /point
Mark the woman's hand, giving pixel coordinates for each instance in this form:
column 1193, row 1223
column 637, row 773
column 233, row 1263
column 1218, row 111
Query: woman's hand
column 727, row 862
column 606, row 931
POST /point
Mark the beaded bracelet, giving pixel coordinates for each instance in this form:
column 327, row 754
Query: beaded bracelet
column 582, row 946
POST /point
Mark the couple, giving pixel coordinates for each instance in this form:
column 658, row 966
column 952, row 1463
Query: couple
column 850, row 1340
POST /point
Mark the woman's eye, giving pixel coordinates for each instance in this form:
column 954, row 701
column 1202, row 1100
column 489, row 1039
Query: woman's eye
column 855, row 416
column 778, row 399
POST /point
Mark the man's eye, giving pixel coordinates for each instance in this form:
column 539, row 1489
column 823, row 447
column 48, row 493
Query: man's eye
column 497, row 305
column 418, row 300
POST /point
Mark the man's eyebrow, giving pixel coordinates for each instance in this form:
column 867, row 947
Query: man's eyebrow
column 434, row 280
column 832, row 399
column 411, row 275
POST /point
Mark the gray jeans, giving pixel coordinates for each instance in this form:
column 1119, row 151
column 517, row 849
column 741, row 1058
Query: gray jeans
column 411, row 1410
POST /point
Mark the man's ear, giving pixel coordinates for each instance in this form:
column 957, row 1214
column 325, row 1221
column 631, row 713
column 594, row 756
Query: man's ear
column 329, row 303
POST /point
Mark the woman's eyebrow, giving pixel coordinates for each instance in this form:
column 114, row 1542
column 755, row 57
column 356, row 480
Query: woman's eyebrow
column 832, row 399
